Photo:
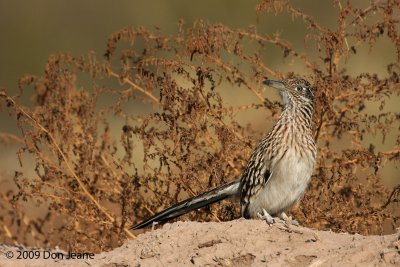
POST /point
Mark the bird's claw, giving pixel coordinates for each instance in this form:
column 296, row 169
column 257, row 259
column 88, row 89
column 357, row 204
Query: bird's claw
column 282, row 218
column 288, row 220
column 265, row 216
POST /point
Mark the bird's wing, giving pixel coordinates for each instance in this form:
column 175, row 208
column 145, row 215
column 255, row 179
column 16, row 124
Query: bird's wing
column 255, row 177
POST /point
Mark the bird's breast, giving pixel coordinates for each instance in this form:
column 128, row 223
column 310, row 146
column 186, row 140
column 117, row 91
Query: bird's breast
column 289, row 179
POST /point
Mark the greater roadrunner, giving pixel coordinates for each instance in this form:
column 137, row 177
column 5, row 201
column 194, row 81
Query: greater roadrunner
column 279, row 169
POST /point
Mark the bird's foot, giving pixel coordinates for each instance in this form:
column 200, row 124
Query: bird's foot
column 264, row 215
column 288, row 220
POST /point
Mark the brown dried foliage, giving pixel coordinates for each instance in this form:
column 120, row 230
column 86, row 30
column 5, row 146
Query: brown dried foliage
column 92, row 183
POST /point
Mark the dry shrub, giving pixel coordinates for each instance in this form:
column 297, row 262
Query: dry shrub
column 93, row 180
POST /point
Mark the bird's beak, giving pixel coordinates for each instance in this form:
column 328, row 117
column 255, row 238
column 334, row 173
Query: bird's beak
column 275, row 84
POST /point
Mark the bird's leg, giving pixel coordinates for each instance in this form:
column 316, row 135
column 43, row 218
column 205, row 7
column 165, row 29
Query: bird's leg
column 288, row 219
column 265, row 216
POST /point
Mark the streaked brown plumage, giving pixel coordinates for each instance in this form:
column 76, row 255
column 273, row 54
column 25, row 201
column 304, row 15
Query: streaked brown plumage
column 278, row 170
column 282, row 163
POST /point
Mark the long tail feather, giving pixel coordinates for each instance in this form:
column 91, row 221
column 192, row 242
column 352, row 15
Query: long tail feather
column 204, row 199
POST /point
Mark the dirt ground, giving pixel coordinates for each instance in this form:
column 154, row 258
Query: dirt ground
column 235, row 243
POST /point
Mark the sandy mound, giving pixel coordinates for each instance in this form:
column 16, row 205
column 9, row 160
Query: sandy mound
column 238, row 243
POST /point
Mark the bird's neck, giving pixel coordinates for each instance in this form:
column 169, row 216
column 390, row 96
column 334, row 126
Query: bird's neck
column 296, row 116
column 298, row 113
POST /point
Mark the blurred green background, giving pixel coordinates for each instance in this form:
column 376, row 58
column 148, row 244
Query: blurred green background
column 32, row 30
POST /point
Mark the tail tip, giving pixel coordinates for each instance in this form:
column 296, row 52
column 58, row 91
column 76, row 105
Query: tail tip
column 136, row 227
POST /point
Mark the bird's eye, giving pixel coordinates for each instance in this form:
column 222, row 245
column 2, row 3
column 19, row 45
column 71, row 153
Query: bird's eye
column 299, row 88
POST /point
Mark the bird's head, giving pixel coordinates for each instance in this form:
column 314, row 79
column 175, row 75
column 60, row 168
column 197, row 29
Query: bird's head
column 294, row 91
